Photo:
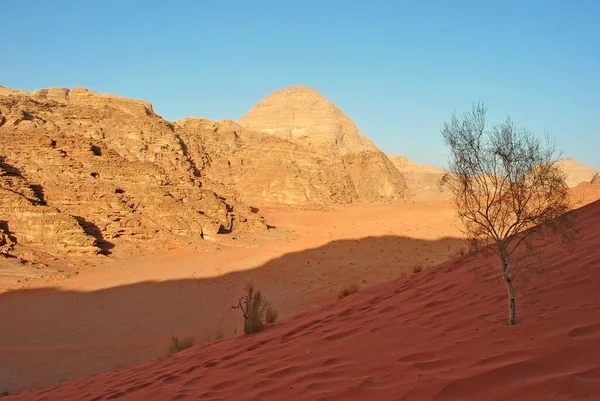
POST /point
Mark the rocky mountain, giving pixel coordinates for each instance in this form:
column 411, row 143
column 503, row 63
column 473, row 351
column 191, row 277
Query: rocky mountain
column 577, row 173
column 305, row 118
column 422, row 181
column 82, row 172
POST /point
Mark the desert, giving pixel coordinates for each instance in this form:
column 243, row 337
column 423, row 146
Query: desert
column 123, row 232
column 299, row 201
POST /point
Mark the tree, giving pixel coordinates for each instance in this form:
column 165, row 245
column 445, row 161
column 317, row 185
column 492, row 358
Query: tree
column 507, row 186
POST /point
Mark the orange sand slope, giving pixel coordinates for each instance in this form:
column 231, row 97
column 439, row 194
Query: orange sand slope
column 437, row 335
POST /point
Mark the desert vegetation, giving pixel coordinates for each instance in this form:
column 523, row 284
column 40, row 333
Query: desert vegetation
column 350, row 289
column 507, row 186
column 256, row 310
column 418, row 268
column 179, row 344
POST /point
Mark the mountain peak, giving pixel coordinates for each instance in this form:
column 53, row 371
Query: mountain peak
column 302, row 113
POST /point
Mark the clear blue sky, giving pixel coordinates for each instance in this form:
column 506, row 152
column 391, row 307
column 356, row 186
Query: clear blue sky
column 397, row 68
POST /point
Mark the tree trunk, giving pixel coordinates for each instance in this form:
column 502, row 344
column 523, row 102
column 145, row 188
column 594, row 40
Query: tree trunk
column 511, row 300
column 506, row 270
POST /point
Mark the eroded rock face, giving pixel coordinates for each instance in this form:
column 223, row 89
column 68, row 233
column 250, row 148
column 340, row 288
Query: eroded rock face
column 87, row 173
column 577, row 173
column 83, row 173
column 423, row 182
column 265, row 169
column 301, row 115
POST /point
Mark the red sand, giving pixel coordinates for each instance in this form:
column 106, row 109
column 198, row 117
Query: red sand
column 124, row 312
column 438, row 335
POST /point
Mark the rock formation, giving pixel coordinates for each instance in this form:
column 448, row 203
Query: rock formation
column 81, row 172
column 301, row 113
column 86, row 173
column 422, row 181
column 264, row 169
column 577, row 173
column 304, row 117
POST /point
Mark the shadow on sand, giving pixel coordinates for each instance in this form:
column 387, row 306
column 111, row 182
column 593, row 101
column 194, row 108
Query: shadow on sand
column 82, row 333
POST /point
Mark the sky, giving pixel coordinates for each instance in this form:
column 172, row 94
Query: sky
column 398, row 69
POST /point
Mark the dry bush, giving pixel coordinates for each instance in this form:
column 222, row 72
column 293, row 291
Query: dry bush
column 458, row 253
column 180, row 344
column 351, row 289
column 418, row 268
column 271, row 315
column 256, row 310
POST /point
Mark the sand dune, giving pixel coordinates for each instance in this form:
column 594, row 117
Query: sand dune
column 122, row 313
column 437, row 335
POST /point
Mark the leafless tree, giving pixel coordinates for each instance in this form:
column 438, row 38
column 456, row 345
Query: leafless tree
column 507, row 186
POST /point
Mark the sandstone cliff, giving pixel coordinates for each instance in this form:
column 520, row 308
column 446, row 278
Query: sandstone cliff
column 422, row 181
column 264, row 169
column 85, row 173
column 304, row 117
column 82, row 172
column 577, row 173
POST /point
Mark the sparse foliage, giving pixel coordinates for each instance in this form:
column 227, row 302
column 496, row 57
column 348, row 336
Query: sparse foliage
column 271, row 315
column 351, row 289
column 256, row 310
column 178, row 344
column 507, row 186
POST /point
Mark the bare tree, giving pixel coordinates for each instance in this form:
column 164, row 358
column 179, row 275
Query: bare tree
column 507, row 187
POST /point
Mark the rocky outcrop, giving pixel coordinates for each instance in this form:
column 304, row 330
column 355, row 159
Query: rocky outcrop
column 83, row 173
column 304, row 117
column 423, row 181
column 576, row 173
column 24, row 214
column 86, row 173
column 299, row 113
column 263, row 169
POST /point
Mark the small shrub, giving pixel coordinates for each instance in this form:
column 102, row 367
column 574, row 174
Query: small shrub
column 180, row 344
column 351, row 289
column 458, row 253
column 271, row 315
column 418, row 268
column 256, row 310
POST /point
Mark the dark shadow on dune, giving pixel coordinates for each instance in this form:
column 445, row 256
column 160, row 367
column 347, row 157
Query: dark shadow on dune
column 44, row 325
